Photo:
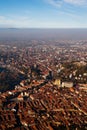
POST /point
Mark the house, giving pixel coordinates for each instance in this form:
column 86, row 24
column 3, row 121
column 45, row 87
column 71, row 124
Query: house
column 20, row 97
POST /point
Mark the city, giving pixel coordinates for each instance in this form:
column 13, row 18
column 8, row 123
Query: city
column 43, row 65
column 43, row 85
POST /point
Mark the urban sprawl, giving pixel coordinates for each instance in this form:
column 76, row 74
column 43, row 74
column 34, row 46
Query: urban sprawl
column 43, row 85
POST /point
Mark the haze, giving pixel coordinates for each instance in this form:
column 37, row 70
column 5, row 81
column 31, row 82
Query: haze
column 49, row 34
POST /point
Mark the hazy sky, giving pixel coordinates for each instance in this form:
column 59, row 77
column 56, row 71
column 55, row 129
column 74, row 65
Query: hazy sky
column 43, row 13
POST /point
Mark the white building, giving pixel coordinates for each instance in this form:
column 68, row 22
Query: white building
column 67, row 84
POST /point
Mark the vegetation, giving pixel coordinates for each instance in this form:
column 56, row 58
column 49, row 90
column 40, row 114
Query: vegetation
column 9, row 79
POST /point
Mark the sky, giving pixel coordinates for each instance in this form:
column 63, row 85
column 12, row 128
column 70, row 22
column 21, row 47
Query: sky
column 43, row 13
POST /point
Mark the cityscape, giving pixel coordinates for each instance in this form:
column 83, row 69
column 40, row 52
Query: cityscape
column 43, row 65
column 45, row 85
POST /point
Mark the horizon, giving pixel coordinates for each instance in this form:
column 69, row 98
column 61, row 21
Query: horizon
column 40, row 28
column 43, row 34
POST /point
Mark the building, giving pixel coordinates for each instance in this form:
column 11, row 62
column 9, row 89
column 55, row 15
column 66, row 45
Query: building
column 57, row 82
column 67, row 84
